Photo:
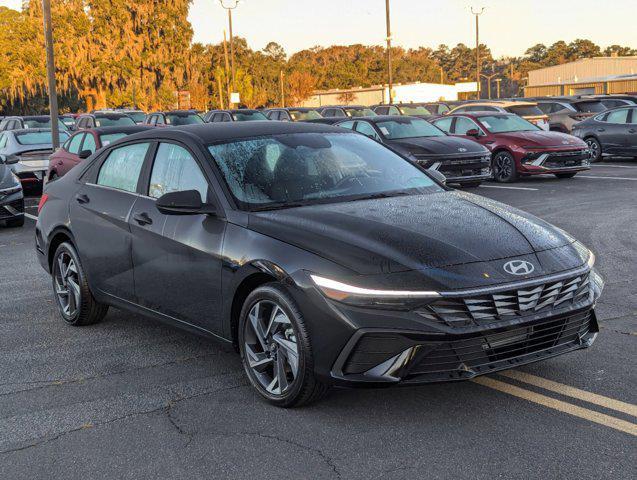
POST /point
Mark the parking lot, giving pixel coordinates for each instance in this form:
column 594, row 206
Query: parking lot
column 131, row 398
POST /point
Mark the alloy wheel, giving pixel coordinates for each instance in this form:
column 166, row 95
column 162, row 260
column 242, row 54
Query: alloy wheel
column 271, row 349
column 593, row 148
column 67, row 284
column 503, row 167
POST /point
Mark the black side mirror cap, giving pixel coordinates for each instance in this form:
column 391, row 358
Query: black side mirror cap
column 187, row 202
column 85, row 154
column 474, row 132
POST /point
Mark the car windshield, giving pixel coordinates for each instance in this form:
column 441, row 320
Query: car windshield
column 43, row 123
column 300, row 115
column 408, row 128
column 414, row 110
column 38, row 138
column 289, row 170
column 191, row 119
column 109, row 138
column 114, row 121
column 526, row 110
column 360, row 112
column 138, row 117
column 589, row 107
column 248, row 116
column 506, row 123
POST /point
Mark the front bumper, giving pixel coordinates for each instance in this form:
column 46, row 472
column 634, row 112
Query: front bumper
column 11, row 206
column 460, row 169
column 556, row 162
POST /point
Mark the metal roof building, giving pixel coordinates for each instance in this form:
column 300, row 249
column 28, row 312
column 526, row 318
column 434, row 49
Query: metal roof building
column 595, row 75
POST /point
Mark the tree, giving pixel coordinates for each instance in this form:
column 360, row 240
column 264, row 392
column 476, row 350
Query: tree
column 300, row 86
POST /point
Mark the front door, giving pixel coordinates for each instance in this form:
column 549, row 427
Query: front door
column 100, row 211
column 177, row 258
column 613, row 131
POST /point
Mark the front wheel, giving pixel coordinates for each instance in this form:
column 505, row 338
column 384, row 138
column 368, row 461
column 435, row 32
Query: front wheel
column 73, row 296
column 566, row 175
column 275, row 348
column 504, row 169
column 595, row 148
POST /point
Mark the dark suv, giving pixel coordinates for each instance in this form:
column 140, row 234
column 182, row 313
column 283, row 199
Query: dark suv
column 564, row 112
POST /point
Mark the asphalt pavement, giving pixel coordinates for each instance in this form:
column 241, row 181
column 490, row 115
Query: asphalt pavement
column 132, row 398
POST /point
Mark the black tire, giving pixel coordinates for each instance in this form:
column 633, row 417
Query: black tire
column 15, row 222
column 503, row 167
column 305, row 388
column 471, row 184
column 566, row 175
column 595, row 148
column 88, row 311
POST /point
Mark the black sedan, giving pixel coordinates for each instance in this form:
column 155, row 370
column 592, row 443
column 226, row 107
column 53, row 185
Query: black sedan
column 613, row 132
column 323, row 256
column 460, row 160
column 11, row 195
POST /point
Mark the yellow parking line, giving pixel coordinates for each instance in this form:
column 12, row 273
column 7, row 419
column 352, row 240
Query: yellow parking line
column 573, row 392
column 559, row 405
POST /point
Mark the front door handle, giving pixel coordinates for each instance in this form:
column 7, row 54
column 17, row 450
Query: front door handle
column 601, row 129
column 143, row 218
column 81, row 198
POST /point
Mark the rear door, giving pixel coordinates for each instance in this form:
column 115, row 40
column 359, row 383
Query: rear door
column 100, row 210
column 613, row 131
column 177, row 258
column 631, row 137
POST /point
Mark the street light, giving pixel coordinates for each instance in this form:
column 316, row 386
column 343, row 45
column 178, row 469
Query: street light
column 497, row 82
column 389, row 68
column 50, row 70
column 230, row 6
column 477, row 14
column 489, row 77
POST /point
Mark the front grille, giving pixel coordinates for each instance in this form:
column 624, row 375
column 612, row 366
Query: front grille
column 506, row 305
column 11, row 209
column 566, row 159
column 489, row 351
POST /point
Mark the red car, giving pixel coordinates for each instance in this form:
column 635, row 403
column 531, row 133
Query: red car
column 83, row 144
column 519, row 148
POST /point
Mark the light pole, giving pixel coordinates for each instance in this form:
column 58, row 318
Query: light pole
column 389, row 67
column 230, row 6
column 50, row 70
column 497, row 83
column 489, row 77
column 477, row 14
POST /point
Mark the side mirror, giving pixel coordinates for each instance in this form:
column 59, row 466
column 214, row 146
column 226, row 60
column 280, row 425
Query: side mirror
column 187, row 202
column 438, row 176
column 474, row 132
column 85, row 154
column 9, row 159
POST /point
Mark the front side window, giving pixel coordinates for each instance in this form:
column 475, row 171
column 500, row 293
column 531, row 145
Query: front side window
column 89, row 143
column 349, row 124
column 408, row 128
column 367, row 130
column 618, row 116
column 463, row 125
column 191, row 119
column 175, row 170
column 287, row 170
column 74, row 144
column 505, row 123
column 122, row 167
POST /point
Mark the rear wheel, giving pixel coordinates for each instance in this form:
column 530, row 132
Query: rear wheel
column 275, row 348
column 74, row 298
column 504, row 169
column 566, row 175
column 595, row 148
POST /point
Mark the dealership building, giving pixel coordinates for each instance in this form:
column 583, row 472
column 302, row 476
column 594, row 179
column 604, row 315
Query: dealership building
column 597, row 75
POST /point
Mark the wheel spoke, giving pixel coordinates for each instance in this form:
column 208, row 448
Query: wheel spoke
column 62, row 268
column 273, row 386
column 75, row 290
column 288, row 349
column 258, row 361
column 71, row 267
column 277, row 317
column 281, row 376
column 257, row 327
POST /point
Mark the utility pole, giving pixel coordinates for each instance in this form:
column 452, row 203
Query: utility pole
column 282, row 90
column 477, row 14
column 229, row 8
column 389, row 67
column 225, row 55
column 50, row 70
column 489, row 77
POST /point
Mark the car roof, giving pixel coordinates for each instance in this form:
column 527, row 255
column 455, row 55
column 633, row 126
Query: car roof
column 228, row 131
column 384, row 118
column 501, row 103
column 476, row 114
column 128, row 129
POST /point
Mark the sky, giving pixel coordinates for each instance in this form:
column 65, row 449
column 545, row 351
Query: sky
column 508, row 27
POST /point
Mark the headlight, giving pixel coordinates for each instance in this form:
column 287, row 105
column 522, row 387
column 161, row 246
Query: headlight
column 350, row 294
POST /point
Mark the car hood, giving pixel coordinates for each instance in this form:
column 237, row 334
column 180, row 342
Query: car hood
column 446, row 145
column 7, row 180
column 416, row 232
column 542, row 139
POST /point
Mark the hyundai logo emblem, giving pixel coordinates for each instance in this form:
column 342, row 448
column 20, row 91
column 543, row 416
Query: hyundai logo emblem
column 461, row 149
column 519, row 267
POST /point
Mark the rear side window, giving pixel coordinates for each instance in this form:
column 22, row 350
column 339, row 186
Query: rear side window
column 381, row 110
column 526, row 110
column 618, row 116
column 175, row 170
column 122, row 167
column 589, row 107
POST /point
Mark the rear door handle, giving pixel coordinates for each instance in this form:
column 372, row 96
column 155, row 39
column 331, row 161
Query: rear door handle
column 143, row 218
column 81, row 198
